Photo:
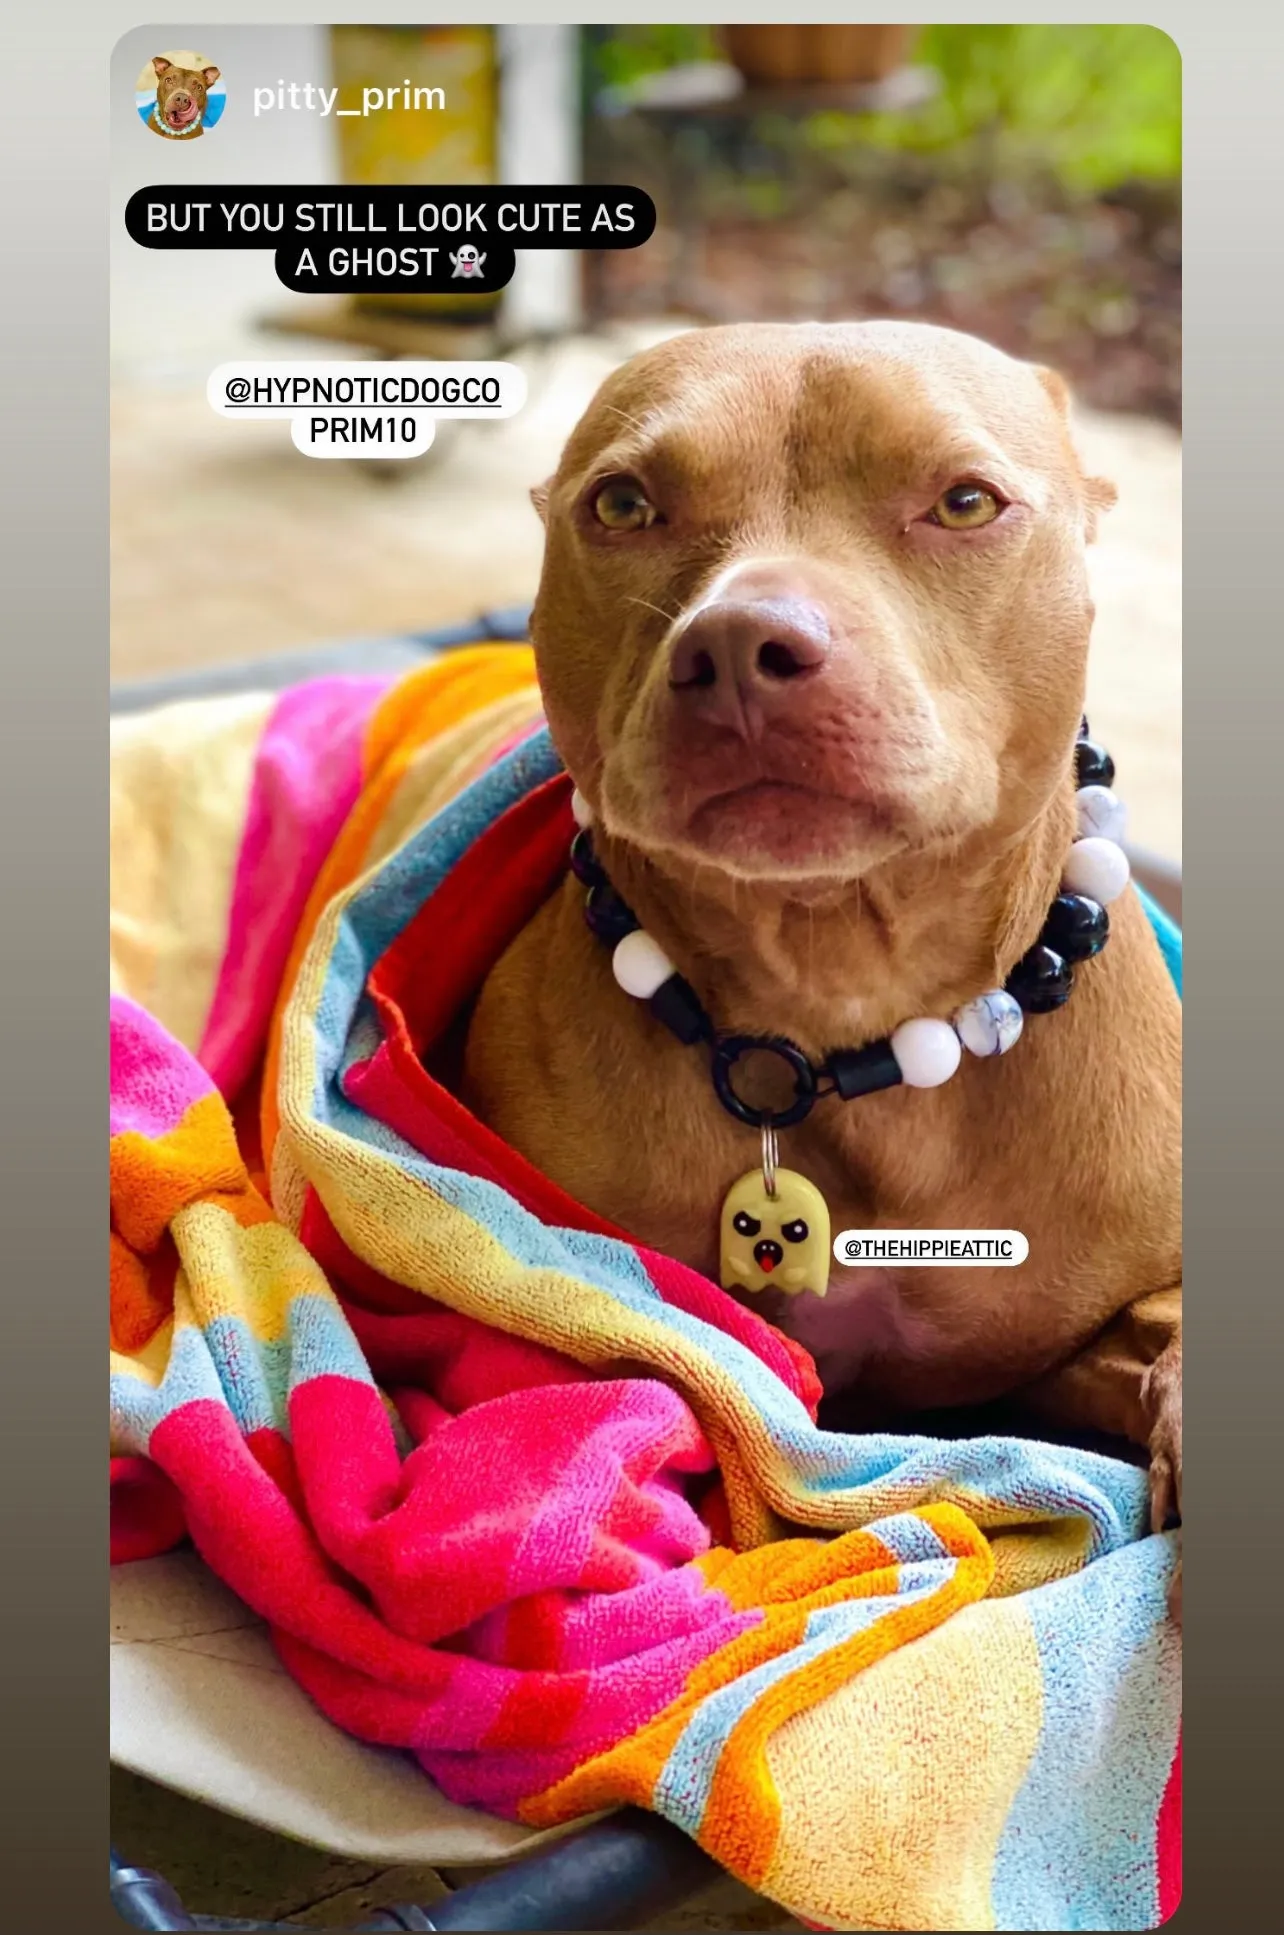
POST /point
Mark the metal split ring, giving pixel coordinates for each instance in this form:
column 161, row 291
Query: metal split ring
column 770, row 1157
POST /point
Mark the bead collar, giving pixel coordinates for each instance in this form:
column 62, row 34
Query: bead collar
column 177, row 134
column 922, row 1052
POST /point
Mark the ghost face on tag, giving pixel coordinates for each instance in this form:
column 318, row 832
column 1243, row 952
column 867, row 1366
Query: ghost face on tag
column 777, row 1243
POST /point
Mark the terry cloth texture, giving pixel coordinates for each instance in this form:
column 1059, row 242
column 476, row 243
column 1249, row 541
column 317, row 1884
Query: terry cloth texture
column 515, row 1494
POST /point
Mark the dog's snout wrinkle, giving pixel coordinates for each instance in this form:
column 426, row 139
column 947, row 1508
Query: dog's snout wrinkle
column 732, row 651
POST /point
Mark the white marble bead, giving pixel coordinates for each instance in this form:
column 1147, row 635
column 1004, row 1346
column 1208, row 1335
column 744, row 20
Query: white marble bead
column 1097, row 868
column 991, row 1024
column 1101, row 814
column 581, row 809
column 640, row 965
column 927, row 1052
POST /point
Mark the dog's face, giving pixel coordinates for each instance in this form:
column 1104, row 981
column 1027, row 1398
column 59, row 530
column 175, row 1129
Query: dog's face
column 181, row 93
column 815, row 595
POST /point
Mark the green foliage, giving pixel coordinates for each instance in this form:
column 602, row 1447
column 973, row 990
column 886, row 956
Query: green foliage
column 618, row 56
column 1096, row 105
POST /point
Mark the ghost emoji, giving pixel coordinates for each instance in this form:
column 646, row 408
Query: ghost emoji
column 467, row 262
column 778, row 1242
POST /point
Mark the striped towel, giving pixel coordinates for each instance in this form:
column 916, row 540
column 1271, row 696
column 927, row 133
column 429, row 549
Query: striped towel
column 517, row 1495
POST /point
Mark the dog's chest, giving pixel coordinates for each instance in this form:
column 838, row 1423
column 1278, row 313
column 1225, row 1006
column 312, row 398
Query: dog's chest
column 628, row 1123
column 864, row 1320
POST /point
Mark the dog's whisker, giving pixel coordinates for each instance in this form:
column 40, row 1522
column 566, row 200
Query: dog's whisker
column 669, row 617
column 624, row 416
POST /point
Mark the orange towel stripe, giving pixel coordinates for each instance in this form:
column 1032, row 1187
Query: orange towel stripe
column 416, row 710
column 741, row 1822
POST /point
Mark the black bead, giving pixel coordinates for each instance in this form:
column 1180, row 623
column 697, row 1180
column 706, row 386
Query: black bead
column 1093, row 765
column 1076, row 927
column 1041, row 980
column 676, row 1003
column 860, row 1071
column 607, row 915
column 584, row 862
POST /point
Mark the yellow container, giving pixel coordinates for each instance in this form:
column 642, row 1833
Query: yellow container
column 454, row 143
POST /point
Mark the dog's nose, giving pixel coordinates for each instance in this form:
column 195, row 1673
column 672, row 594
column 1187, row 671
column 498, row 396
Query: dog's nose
column 731, row 650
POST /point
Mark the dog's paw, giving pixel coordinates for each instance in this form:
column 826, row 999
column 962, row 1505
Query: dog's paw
column 1161, row 1394
column 1174, row 1596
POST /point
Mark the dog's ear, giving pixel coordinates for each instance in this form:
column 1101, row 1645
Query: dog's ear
column 210, row 74
column 1099, row 493
column 161, row 65
column 539, row 498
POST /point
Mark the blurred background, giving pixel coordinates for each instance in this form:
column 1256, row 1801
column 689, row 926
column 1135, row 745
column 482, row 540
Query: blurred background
column 1019, row 182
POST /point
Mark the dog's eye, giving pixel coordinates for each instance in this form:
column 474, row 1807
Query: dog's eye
column 795, row 1232
column 745, row 1224
column 621, row 504
column 965, row 507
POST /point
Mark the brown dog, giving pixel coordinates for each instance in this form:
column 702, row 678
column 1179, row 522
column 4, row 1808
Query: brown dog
column 181, row 94
column 811, row 634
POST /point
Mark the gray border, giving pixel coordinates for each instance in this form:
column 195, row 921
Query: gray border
column 54, row 517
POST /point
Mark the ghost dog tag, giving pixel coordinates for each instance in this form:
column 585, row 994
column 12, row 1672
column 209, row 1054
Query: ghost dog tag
column 775, row 1240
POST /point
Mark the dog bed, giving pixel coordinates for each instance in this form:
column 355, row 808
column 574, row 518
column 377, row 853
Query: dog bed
column 960, row 1711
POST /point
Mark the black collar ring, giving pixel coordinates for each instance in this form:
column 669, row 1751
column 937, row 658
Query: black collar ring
column 728, row 1052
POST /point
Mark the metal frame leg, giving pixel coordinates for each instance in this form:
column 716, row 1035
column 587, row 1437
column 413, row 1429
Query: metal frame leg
column 616, row 1873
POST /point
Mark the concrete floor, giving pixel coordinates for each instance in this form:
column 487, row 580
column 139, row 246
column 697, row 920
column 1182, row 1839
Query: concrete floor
column 228, row 544
column 221, row 1866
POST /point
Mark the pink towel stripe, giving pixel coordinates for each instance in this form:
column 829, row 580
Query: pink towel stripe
column 152, row 1088
column 307, row 774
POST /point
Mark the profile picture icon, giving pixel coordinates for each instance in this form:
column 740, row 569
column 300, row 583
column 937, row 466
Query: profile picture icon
column 180, row 95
